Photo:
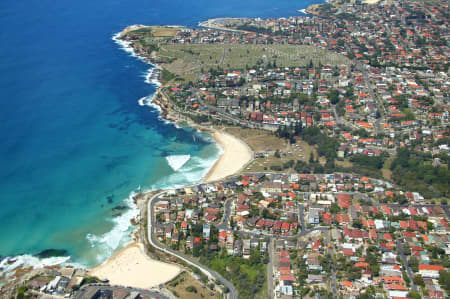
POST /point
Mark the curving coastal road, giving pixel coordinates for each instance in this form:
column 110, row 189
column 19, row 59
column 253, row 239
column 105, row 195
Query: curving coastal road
column 233, row 293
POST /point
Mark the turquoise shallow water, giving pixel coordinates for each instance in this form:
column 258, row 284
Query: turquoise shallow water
column 74, row 141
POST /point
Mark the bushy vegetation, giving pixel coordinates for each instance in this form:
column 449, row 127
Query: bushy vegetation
column 247, row 275
column 366, row 161
column 444, row 279
column 88, row 280
column 21, row 293
column 166, row 76
column 326, row 146
column 191, row 289
column 414, row 171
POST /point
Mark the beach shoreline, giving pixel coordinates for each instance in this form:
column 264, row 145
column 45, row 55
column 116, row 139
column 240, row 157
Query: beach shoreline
column 236, row 153
column 131, row 266
column 235, row 157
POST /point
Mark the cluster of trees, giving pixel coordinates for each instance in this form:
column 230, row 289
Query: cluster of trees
column 290, row 132
column 333, row 96
column 369, row 293
column 347, row 268
column 368, row 162
column 199, row 118
column 326, row 146
column 444, row 279
column 372, row 259
column 414, row 171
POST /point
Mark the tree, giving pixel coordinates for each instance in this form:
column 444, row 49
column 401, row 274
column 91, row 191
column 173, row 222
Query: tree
column 418, row 280
column 357, row 223
column 414, row 264
column 333, row 96
column 191, row 289
column 334, row 209
column 444, row 279
column 414, row 295
column 277, row 154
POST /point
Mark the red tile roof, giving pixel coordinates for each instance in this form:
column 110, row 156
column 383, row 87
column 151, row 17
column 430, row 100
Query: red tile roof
column 430, row 267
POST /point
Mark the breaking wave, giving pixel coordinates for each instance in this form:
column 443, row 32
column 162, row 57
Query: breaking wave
column 9, row 264
column 105, row 245
column 177, row 161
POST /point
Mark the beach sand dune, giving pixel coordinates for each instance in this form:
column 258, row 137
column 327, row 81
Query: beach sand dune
column 236, row 154
column 130, row 266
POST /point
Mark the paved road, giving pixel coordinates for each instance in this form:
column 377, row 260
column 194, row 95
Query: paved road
column 226, row 217
column 409, row 272
column 336, row 116
column 333, row 270
column 270, row 269
column 233, row 293
column 374, row 96
column 301, row 217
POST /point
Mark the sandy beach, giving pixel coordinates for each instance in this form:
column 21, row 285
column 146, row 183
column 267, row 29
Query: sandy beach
column 236, row 154
column 130, row 266
column 371, row 1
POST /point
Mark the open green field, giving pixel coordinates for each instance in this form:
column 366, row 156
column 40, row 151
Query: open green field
column 260, row 140
column 187, row 61
column 154, row 32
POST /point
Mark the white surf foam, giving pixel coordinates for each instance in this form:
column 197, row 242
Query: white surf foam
column 125, row 45
column 28, row 260
column 191, row 173
column 148, row 101
column 177, row 161
column 10, row 264
column 119, row 235
column 150, row 79
column 303, row 11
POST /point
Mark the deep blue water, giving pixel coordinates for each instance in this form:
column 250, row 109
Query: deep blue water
column 74, row 142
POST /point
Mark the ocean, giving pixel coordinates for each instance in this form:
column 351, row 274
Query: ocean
column 76, row 139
